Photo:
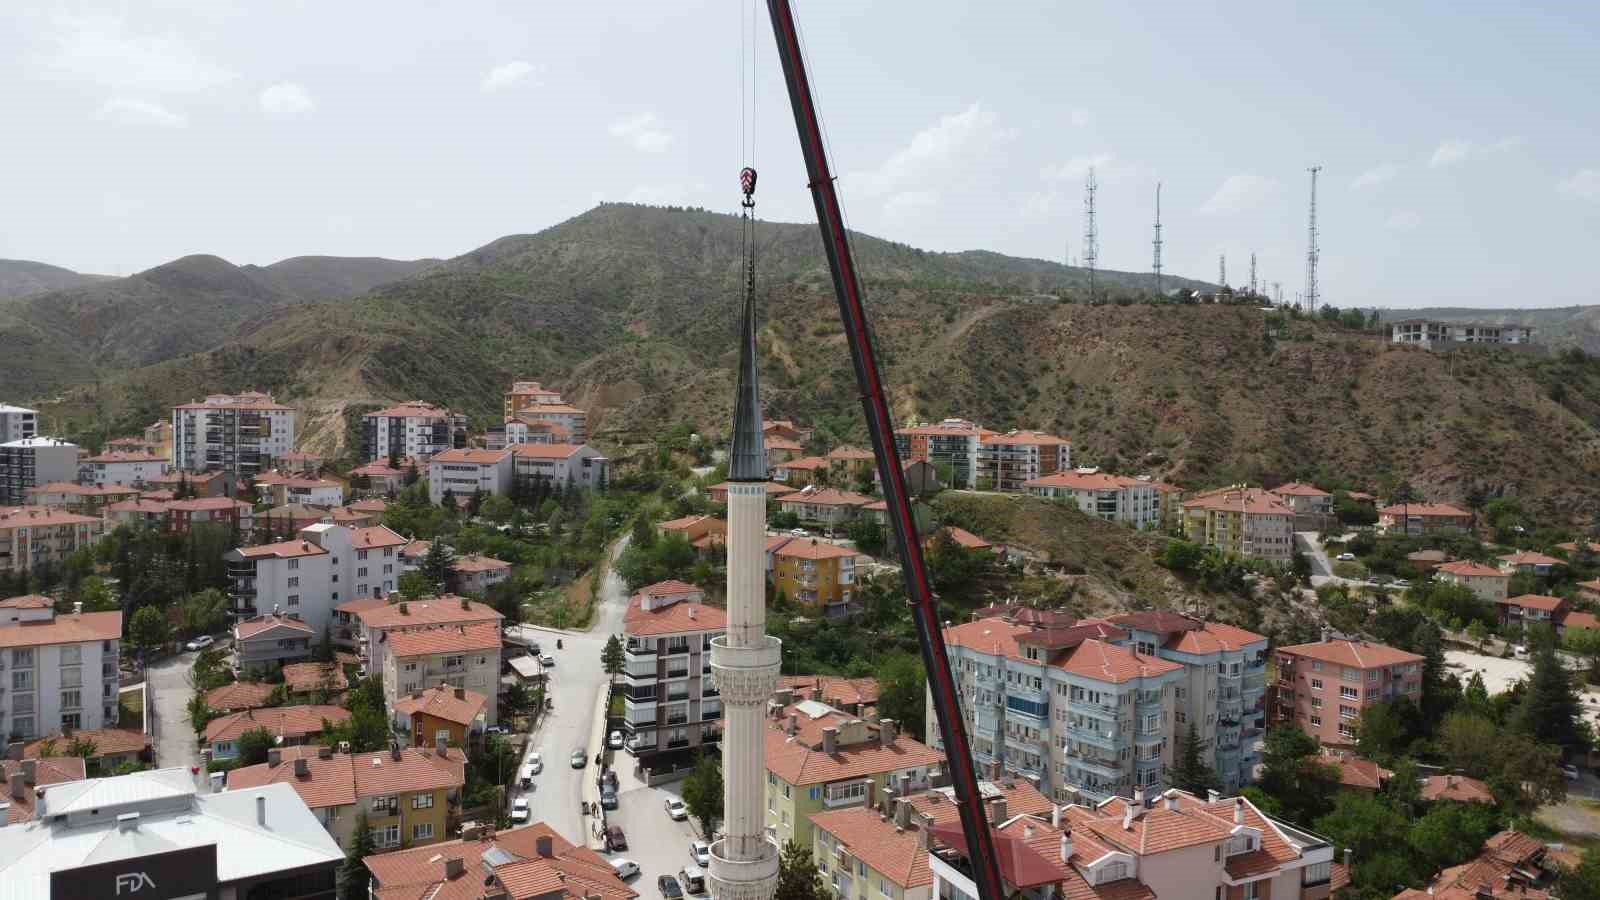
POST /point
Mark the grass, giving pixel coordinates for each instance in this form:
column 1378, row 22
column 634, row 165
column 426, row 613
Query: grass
column 1349, row 569
column 131, row 705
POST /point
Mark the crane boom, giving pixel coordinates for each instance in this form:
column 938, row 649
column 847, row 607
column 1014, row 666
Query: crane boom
column 924, row 607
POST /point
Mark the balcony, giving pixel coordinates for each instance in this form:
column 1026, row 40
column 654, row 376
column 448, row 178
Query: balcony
column 677, row 743
column 1104, row 767
column 1104, row 736
column 988, row 721
column 676, row 672
column 642, row 649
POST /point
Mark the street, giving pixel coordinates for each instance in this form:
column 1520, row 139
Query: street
column 175, row 743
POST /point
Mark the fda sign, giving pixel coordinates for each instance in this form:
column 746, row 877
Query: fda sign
column 133, row 882
column 187, row 874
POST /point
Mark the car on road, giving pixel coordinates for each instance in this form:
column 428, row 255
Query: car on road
column 608, row 798
column 625, row 868
column 799, row 532
column 615, row 741
column 519, row 809
column 700, row 851
column 676, row 810
column 608, row 779
column 497, row 729
column 694, row 879
column 533, row 647
column 616, row 839
column 1571, row 771
column 1519, row 651
column 579, row 758
column 526, row 777
column 1346, row 557
column 668, row 886
column 547, row 660
column 200, row 643
column 536, row 762
column 1401, row 583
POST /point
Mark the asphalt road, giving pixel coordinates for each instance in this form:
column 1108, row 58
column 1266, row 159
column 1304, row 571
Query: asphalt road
column 175, row 743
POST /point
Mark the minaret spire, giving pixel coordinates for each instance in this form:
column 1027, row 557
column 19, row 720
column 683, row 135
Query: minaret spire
column 747, row 457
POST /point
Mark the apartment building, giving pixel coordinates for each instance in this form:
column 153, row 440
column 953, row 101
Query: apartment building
column 802, row 471
column 1223, row 689
column 529, row 403
column 120, row 467
column 475, row 574
column 1066, row 706
column 864, row 854
column 1555, row 613
column 58, row 671
column 378, row 477
column 1007, row 462
column 852, row 463
column 528, row 863
column 79, row 498
column 824, row 507
column 462, row 473
column 569, row 465
column 29, row 462
column 223, row 512
column 464, row 656
column 264, row 644
column 671, row 705
column 315, row 572
column 1175, row 846
column 1169, row 504
column 1323, row 687
column 1114, row 498
column 1431, row 333
column 451, row 714
column 1509, row 866
column 37, row 535
column 1243, row 520
column 379, row 624
column 1490, row 584
column 414, row 430
column 951, row 442
column 279, row 488
column 1304, row 499
column 702, row 532
column 193, row 484
column 816, row 573
column 409, row 795
column 289, row 725
column 819, row 758
column 517, row 430
column 1528, row 562
column 1423, row 519
column 782, row 449
column 856, row 696
column 240, row 434
column 17, row 423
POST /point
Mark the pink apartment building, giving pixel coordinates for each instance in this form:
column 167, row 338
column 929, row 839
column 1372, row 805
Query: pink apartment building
column 1323, row 687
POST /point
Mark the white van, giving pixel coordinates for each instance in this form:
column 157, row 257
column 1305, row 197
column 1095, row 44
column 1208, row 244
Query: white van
column 694, row 879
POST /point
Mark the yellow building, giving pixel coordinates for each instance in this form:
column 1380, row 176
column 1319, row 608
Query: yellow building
column 410, row 796
column 1244, row 520
column 815, row 572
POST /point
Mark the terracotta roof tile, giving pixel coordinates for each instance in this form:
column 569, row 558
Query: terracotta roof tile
column 449, row 639
column 420, row 872
column 1299, row 489
column 850, row 454
column 64, row 628
column 938, row 806
column 442, row 703
column 411, row 409
column 1468, row 569
column 802, row 548
column 442, row 610
column 282, row 550
column 1023, row 439
column 305, row 677
column 1534, row 601
column 836, row 689
column 1358, row 654
column 674, row 618
column 327, row 783
column 285, row 721
column 27, row 601
column 47, row 771
column 246, row 629
column 472, row 457
column 375, row 536
column 1456, row 787
column 107, row 742
column 41, row 516
column 798, row 764
column 1530, row 558
column 479, row 563
column 898, row 855
column 1247, row 500
column 418, row 769
column 1425, row 510
column 546, row 451
column 238, row 696
column 964, row 538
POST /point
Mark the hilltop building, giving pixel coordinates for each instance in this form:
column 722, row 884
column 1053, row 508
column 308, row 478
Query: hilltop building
column 1244, row 520
column 1007, row 462
column 1424, row 519
column 1433, row 334
column 121, row 467
column 1323, row 687
column 530, row 409
column 1114, row 498
column 411, row 430
column 38, row 535
column 240, row 434
column 315, row 572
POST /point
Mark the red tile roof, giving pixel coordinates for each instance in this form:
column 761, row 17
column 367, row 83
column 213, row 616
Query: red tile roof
column 1456, row 787
column 63, row 628
column 1254, row 501
column 1534, row 601
column 473, row 457
column 964, row 538
column 1425, row 510
column 240, row 695
column 1468, row 569
column 897, row 854
column 1358, row 654
column 1024, row 439
column 410, row 409
column 361, row 603
column 1084, row 481
column 1357, row 772
column 116, row 456
column 1108, row 662
column 675, row 618
column 27, row 601
column 1580, row 620
column 442, row 703
column 282, row 550
column 420, row 872
column 546, row 451
column 375, row 536
column 442, row 610
column 304, row 677
column 1215, row 637
column 938, row 806
column 802, row 548
column 106, row 741
column 41, row 516
column 285, row 721
column 47, row 771
column 804, row 464
column 1530, row 558
column 798, row 764
column 1299, row 489
column 836, row 689
column 450, row 639
column 250, row 628
column 479, row 563
column 850, row 454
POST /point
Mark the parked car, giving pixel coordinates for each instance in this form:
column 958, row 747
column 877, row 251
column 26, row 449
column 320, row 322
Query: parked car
column 547, row 661
column 497, row 729
column 1401, row 582
column 1519, row 651
column 676, row 810
column 608, row 798
column 625, row 868
column 700, row 852
column 536, row 762
column 526, row 777
column 800, row 532
column 615, row 839
column 694, row 879
column 1571, row 771
column 519, row 809
column 608, row 779
column 579, row 759
column 200, row 643
column 1346, row 557
column 615, row 741
column 533, row 647
column 668, row 886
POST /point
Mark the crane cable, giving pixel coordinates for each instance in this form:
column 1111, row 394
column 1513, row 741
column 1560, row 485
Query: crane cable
column 747, row 153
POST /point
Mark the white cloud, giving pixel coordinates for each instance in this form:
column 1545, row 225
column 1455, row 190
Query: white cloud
column 936, row 151
column 644, row 132
column 1239, row 193
column 286, row 99
column 141, row 112
column 1403, row 220
column 501, row 77
column 1458, row 150
column 906, row 207
column 1584, row 184
column 104, row 50
column 1375, row 176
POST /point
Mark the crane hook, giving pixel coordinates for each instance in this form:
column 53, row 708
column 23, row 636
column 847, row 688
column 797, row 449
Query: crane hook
column 747, row 183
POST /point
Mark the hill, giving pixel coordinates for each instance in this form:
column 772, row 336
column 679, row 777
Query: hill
column 630, row 311
column 20, row 277
column 76, row 335
column 1567, row 326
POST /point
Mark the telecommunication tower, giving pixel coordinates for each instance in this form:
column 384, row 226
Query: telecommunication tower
column 1091, row 237
column 1252, row 272
column 1222, row 271
column 1156, row 263
column 1312, row 294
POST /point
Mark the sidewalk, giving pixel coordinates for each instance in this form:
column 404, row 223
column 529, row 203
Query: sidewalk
column 591, row 773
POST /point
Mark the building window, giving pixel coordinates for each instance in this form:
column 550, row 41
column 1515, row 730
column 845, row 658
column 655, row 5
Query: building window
column 1316, row 702
column 71, row 699
column 294, row 582
column 390, row 803
column 293, row 599
column 71, row 655
column 1316, row 720
column 422, row 801
column 1316, row 684
column 1349, row 693
column 294, row 564
column 422, row 831
column 71, row 720
column 1347, row 712
column 388, row 836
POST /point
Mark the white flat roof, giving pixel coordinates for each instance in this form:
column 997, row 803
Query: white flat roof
column 8, row 408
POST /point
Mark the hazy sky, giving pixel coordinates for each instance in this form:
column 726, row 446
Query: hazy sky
column 1460, row 141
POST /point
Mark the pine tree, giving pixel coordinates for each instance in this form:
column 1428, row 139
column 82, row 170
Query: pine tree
column 1550, row 712
column 611, row 658
column 353, row 875
column 437, row 566
column 1189, row 769
column 798, row 877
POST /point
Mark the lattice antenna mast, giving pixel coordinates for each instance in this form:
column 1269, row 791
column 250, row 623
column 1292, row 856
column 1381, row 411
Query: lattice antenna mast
column 1156, row 263
column 1091, row 237
column 1222, row 271
column 1313, row 294
column 1252, row 272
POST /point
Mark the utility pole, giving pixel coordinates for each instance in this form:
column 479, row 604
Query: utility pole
column 1156, row 265
column 1252, row 272
column 1091, row 237
column 1222, row 271
column 1313, row 295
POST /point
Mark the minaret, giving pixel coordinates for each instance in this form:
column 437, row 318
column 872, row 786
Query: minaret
column 744, row 864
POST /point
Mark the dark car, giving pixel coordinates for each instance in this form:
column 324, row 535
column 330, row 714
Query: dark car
column 608, row 779
column 615, row 839
column 669, row 888
column 608, row 798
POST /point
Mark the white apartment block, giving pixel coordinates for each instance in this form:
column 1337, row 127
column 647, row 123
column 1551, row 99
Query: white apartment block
column 951, row 442
column 462, row 656
column 572, row 465
column 37, row 535
column 239, row 434
column 58, row 671
column 414, row 429
column 1006, row 462
column 17, row 422
column 121, row 467
column 1110, row 497
column 1064, row 706
column 378, row 624
column 530, row 404
column 1430, row 333
column 310, row 575
column 464, row 472
column 33, row 461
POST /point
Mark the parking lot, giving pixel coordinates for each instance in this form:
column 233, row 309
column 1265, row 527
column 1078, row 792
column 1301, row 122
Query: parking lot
column 659, row 845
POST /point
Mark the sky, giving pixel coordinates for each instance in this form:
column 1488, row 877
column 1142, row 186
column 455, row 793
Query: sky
column 1459, row 142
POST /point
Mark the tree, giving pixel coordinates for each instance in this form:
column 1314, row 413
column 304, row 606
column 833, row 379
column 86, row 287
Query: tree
column 611, row 659
column 1582, row 883
column 1366, row 823
column 200, row 713
column 702, row 793
column 81, row 748
column 1294, row 776
column 148, row 629
column 354, row 878
column 1452, row 832
column 498, row 509
column 902, row 692
column 1385, row 730
column 96, row 596
column 1550, row 712
column 205, row 612
column 413, row 586
column 798, row 877
column 1190, row 772
column 867, row 535
column 253, row 746
column 437, row 566
column 367, row 729
column 325, row 652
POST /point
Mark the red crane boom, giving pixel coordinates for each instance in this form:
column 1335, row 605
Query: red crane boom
column 924, row 607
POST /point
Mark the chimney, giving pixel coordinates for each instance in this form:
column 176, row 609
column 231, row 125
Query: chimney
column 830, row 740
column 794, row 723
column 902, row 812
column 465, row 603
column 1349, row 856
column 302, row 769
column 1172, row 798
column 274, row 756
column 14, row 750
column 1212, row 796
column 1238, row 810
column 394, row 751
column 1055, row 816
column 454, row 867
column 324, row 753
column 994, row 770
column 1127, row 816
column 904, row 783
column 816, row 690
column 404, row 609
column 471, row 831
column 1138, row 797
column 261, row 811
column 18, row 788
column 1066, row 847
column 888, row 729
column 30, row 772
column 997, row 810
column 77, row 609
column 461, row 693
column 544, row 846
